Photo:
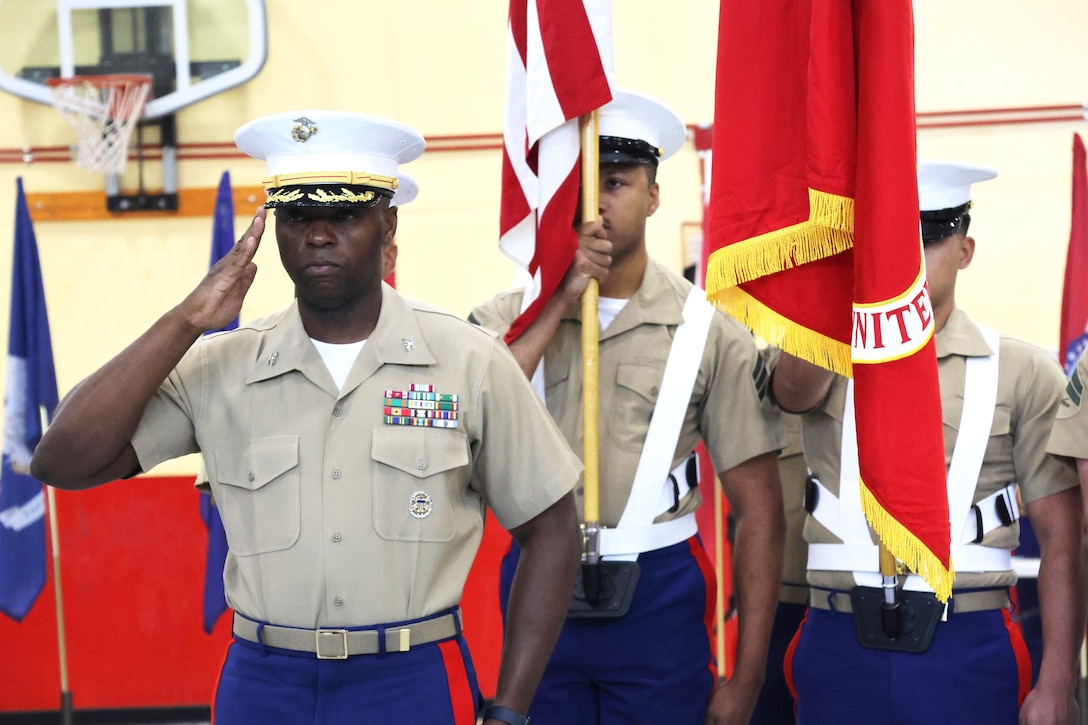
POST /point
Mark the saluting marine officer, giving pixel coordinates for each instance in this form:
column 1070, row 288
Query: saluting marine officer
column 967, row 662
column 654, row 664
column 352, row 442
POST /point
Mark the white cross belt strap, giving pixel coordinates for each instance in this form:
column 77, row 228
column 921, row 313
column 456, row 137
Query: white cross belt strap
column 976, row 420
column 864, row 559
column 982, row 518
column 681, row 369
column 627, row 543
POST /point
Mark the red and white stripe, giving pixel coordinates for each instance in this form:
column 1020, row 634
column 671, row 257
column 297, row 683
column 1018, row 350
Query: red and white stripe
column 559, row 67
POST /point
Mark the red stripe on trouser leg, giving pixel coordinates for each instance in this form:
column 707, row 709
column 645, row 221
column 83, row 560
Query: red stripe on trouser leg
column 1020, row 651
column 215, row 688
column 787, row 662
column 707, row 570
column 461, row 700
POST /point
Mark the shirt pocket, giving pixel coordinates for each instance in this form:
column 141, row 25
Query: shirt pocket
column 637, row 387
column 259, row 494
column 999, row 446
column 418, row 475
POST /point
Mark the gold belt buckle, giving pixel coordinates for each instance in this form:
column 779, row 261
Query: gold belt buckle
column 331, row 638
column 402, row 640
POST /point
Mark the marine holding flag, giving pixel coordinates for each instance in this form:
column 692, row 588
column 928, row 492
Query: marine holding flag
column 967, row 662
column 30, row 397
column 654, row 664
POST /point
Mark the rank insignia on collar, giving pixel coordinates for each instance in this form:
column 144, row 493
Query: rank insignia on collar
column 272, row 359
column 421, row 406
column 420, row 505
column 408, row 344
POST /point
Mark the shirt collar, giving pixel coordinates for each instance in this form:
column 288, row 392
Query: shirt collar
column 396, row 340
column 655, row 303
column 960, row 336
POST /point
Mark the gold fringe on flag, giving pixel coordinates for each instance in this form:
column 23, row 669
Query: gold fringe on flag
column 828, row 231
column 906, row 547
column 784, row 333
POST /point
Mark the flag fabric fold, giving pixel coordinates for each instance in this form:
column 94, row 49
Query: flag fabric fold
column 30, row 398
column 559, row 67
column 1074, row 320
column 815, row 235
column 215, row 602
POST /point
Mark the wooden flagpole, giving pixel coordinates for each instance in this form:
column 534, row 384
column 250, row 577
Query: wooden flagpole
column 590, row 324
column 66, row 714
column 719, row 566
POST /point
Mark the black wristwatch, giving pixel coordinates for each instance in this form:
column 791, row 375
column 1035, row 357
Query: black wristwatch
column 506, row 715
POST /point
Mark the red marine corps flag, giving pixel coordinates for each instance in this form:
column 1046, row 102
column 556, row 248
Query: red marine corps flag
column 815, row 172
column 559, row 67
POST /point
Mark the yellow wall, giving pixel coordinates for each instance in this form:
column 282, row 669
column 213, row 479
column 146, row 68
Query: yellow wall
column 439, row 66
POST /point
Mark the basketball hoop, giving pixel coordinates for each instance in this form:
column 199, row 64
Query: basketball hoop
column 103, row 110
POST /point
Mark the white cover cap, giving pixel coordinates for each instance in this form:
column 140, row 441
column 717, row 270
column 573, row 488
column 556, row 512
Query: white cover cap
column 329, row 148
column 944, row 184
column 407, row 190
column 637, row 116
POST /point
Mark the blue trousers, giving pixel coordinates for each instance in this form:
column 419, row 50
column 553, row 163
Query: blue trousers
column 775, row 703
column 653, row 666
column 975, row 672
column 433, row 684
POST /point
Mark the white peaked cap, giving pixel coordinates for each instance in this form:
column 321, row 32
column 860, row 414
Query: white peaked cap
column 329, row 149
column 944, row 184
column 407, row 190
column 641, row 117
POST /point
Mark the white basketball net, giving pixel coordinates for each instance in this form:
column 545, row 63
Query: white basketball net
column 103, row 110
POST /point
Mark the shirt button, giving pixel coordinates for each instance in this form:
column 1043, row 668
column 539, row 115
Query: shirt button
column 336, row 412
column 252, row 477
column 336, row 537
column 420, row 463
column 339, row 601
column 581, row 491
column 336, row 474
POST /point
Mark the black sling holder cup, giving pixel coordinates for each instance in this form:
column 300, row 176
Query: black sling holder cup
column 917, row 614
column 604, row 590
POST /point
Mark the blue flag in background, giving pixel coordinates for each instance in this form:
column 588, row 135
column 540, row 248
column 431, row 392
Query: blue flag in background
column 31, row 390
column 215, row 602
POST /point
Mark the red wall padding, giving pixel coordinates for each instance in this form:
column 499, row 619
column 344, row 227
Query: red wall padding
column 132, row 572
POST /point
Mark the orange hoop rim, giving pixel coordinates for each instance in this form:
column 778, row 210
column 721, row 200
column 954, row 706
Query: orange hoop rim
column 112, row 79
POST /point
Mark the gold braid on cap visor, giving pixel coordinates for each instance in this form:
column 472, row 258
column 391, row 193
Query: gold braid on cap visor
column 285, row 188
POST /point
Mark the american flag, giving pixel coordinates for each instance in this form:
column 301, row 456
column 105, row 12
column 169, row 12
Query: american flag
column 559, row 67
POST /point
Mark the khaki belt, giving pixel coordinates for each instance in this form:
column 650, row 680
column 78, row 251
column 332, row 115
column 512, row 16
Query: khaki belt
column 961, row 603
column 339, row 644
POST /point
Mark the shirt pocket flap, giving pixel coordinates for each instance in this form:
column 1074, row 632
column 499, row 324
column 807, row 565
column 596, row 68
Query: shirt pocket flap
column 418, row 452
column 645, row 380
column 254, row 464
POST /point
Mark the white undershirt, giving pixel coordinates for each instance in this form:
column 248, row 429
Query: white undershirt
column 607, row 309
column 338, row 358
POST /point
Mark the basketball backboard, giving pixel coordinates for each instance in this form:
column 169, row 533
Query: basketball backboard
column 193, row 49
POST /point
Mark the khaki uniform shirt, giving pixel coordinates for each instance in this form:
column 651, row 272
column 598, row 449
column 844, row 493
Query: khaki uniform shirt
column 1028, row 391
column 334, row 516
column 1070, row 434
column 724, row 409
column 793, row 471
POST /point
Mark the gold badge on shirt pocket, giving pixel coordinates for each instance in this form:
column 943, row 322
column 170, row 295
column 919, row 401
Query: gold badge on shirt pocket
column 420, row 505
column 420, row 406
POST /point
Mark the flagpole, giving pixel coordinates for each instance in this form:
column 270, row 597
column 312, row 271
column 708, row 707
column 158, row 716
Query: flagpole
column 66, row 714
column 590, row 367
column 719, row 565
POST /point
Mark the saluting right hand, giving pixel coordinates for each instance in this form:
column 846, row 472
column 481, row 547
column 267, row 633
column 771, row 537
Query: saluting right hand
column 217, row 300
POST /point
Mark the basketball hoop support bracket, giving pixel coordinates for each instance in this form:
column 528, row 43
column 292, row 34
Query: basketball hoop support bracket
column 142, row 200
